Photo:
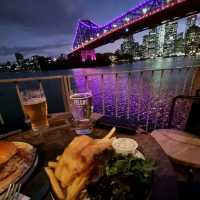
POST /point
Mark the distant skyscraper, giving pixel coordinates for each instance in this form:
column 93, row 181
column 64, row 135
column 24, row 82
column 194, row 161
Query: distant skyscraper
column 191, row 21
column 127, row 47
column 193, row 40
column 152, row 40
column 161, row 40
column 146, row 46
column 180, row 44
column 170, row 38
column 149, row 45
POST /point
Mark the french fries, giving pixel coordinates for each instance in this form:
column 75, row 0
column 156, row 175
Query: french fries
column 54, row 183
column 110, row 134
column 58, row 157
column 70, row 172
column 75, row 188
column 52, row 164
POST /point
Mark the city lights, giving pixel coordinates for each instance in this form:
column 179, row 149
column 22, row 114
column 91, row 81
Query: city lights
column 127, row 19
column 144, row 10
column 88, row 30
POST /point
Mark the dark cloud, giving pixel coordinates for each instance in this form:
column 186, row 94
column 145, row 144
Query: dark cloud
column 41, row 16
column 5, row 51
column 48, row 26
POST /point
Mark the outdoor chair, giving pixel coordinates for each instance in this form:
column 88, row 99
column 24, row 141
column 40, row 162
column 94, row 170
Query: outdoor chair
column 183, row 147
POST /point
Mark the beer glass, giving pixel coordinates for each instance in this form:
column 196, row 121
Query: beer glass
column 35, row 107
column 81, row 107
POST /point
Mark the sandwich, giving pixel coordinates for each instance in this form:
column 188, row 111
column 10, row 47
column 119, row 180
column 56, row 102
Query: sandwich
column 14, row 161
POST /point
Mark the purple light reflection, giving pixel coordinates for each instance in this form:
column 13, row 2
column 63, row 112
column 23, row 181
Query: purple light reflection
column 147, row 101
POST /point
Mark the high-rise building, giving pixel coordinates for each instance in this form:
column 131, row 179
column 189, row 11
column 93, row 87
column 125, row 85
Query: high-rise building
column 170, row 38
column 191, row 21
column 192, row 40
column 180, row 44
column 152, row 43
column 149, row 45
column 146, row 46
column 161, row 40
column 136, row 50
column 141, row 51
column 127, row 47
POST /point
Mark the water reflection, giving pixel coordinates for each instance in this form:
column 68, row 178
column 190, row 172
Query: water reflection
column 145, row 97
column 145, row 94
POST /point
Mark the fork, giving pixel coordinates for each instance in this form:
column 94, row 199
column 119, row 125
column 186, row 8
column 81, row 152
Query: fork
column 12, row 192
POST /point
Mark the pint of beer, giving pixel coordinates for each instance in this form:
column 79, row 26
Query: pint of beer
column 36, row 109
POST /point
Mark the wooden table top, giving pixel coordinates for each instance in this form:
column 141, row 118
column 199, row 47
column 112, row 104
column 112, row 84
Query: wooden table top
column 52, row 142
column 181, row 147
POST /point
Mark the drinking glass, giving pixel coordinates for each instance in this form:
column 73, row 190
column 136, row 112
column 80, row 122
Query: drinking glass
column 35, row 107
column 81, row 107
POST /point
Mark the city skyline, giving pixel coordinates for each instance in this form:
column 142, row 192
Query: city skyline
column 165, row 41
column 29, row 38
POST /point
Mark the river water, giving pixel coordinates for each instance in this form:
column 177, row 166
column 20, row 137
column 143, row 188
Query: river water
column 136, row 94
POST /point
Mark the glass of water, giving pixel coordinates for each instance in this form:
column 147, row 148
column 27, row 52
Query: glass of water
column 81, row 108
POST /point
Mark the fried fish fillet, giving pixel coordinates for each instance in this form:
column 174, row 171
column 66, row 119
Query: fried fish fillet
column 71, row 163
column 77, row 157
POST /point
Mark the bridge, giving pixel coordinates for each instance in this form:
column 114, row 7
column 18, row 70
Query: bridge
column 148, row 14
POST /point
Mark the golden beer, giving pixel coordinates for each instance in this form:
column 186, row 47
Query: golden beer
column 36, row 109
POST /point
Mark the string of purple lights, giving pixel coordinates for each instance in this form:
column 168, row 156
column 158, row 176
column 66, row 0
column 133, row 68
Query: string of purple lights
column 88, row 31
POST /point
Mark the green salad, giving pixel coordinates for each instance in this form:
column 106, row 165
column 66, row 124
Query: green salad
column 120, row 177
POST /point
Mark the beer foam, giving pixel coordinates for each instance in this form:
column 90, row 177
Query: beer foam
column 32, row 101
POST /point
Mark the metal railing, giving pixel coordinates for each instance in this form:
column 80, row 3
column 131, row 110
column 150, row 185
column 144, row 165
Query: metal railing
column 141, row 95
column 64, row 81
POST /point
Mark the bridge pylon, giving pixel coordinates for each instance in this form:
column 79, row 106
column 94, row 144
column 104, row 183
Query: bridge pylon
column 88, row 55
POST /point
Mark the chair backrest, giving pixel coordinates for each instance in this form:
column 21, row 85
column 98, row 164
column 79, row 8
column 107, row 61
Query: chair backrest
column 193, row 122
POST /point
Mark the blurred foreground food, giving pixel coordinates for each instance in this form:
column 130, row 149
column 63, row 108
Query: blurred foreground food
column 69, row 174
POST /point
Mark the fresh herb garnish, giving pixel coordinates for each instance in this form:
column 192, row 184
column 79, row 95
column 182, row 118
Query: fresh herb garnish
column 121, row 177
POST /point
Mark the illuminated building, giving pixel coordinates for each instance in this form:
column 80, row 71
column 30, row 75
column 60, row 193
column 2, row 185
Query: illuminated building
column 170, row 38
column 180, row 44
column 146, row 46
column 127, row 47
column 161, row 40
column 191, row 21
column 193, row 40
column 152, row 43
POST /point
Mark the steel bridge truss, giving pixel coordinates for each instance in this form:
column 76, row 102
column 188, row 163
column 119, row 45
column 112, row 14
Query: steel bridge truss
column 88, row 31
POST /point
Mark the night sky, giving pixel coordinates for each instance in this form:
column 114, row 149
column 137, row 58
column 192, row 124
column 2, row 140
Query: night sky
column 46, row 27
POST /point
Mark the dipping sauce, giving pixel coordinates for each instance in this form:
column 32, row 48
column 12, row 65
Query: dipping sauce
column 125, row 146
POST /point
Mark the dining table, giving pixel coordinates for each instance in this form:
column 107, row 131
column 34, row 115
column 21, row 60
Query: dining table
column 52, row 141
